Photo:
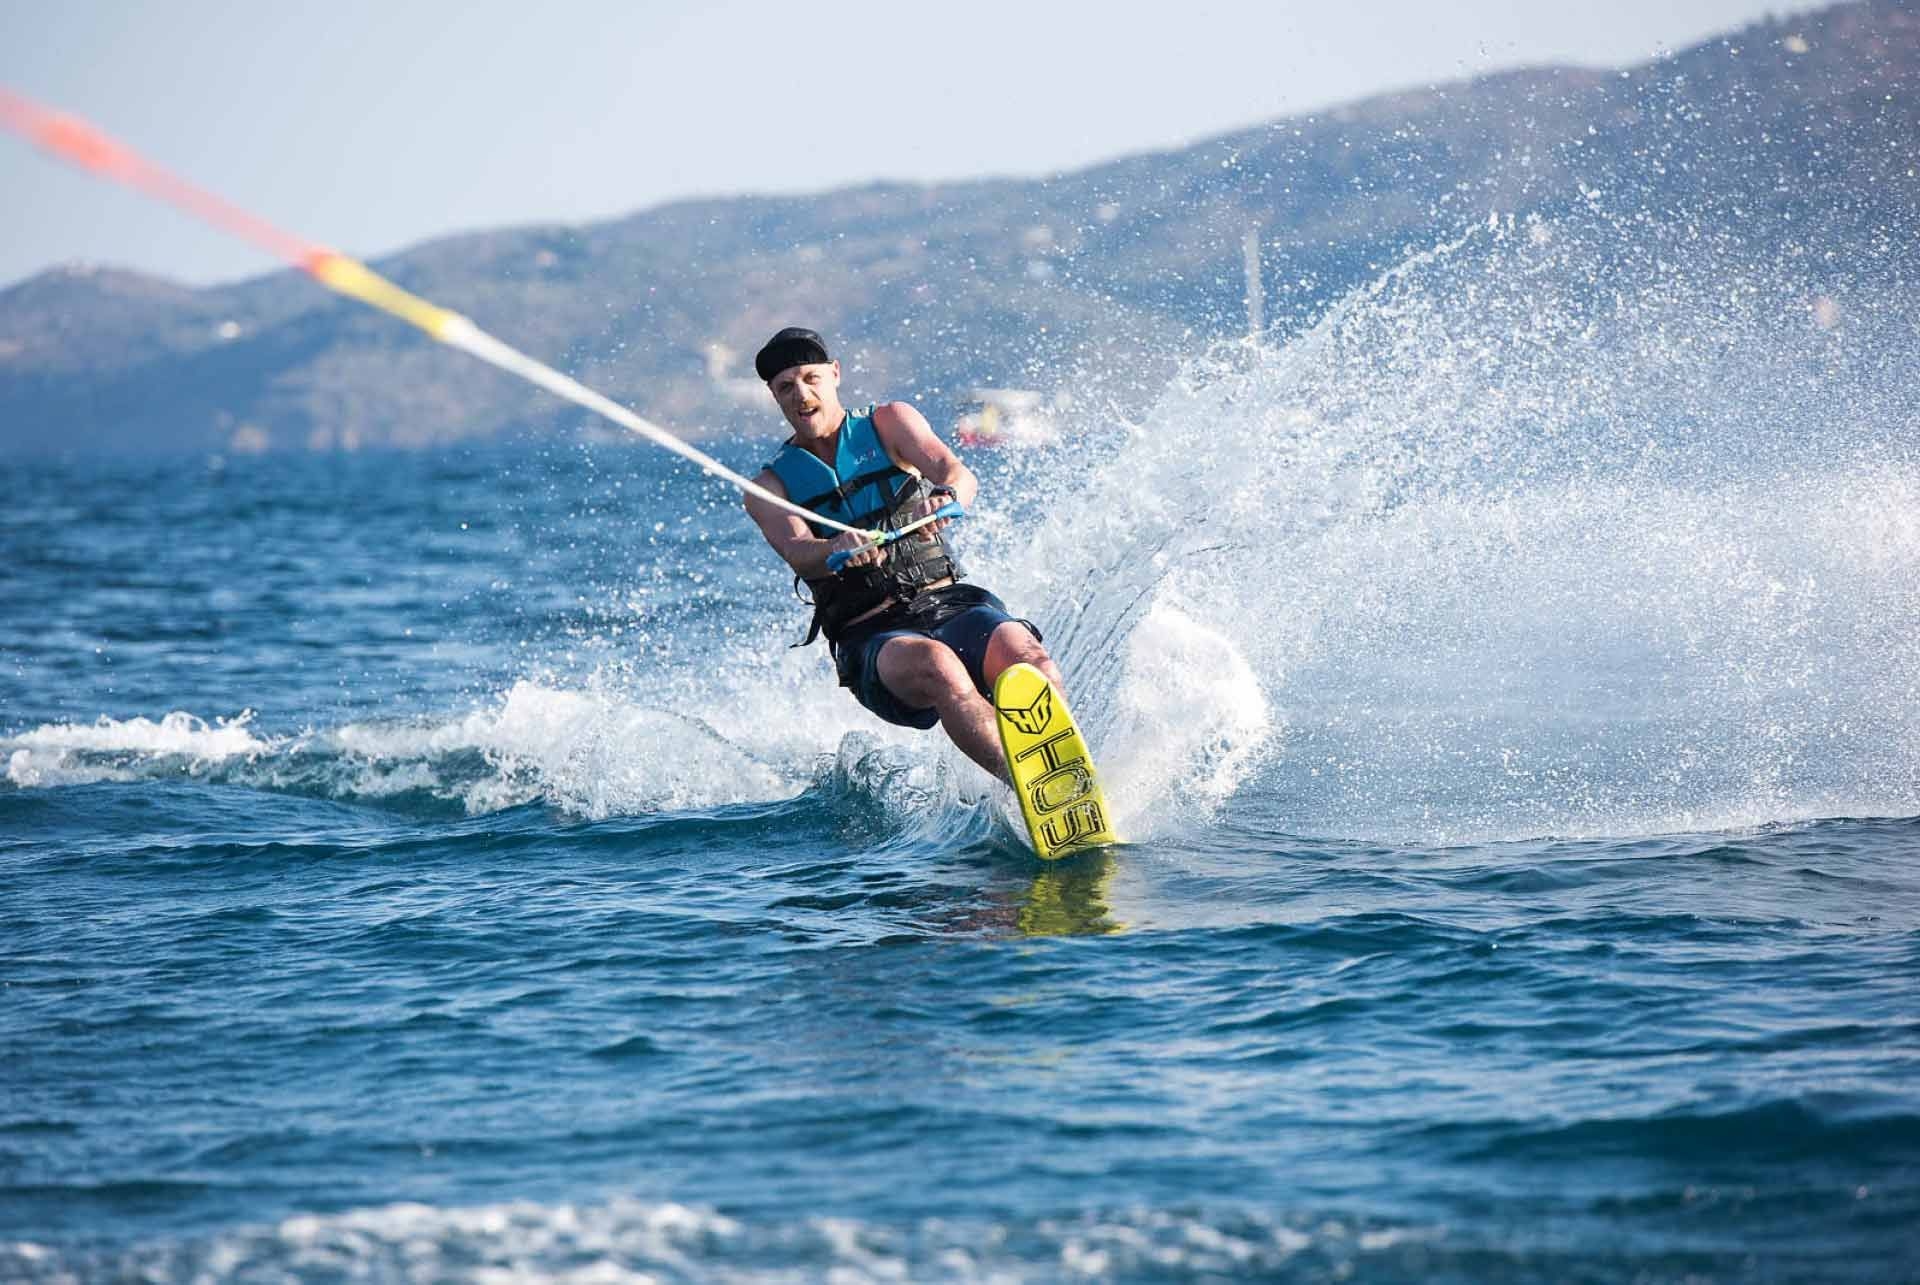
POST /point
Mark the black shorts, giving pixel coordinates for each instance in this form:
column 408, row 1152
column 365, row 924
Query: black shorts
column 962, row 616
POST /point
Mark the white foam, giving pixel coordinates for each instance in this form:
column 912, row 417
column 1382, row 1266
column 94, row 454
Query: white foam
column 1191, row 725
column 760, row 731
column 108, row 749
column 626, row 1241
column 591, row 752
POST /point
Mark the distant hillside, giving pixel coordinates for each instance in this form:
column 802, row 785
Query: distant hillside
column 1805, row 129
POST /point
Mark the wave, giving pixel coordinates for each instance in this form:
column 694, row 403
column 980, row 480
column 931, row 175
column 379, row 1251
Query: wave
column 1834, row 1129
column 1708, row 1231
column 1596, row 526
column 591, row 753
column 633, row 1240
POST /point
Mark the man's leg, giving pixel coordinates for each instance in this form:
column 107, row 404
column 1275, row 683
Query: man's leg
column 922, row 673
column 1013, row 643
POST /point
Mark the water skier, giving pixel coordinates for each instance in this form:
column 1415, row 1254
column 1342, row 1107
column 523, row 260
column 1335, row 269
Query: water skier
column 916, row 646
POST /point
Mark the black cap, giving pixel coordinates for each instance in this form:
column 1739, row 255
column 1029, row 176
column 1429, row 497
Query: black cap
column 794, row 346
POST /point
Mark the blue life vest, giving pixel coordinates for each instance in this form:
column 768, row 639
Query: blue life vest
column 863, row 489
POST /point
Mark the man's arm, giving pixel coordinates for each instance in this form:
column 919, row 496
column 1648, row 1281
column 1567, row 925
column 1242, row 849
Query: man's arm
column 805, row 552
column 910, row 442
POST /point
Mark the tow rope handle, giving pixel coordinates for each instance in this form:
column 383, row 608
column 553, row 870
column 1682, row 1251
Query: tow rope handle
column 837, row 561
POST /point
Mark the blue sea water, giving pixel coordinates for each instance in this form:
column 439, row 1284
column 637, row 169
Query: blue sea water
column 440, row 866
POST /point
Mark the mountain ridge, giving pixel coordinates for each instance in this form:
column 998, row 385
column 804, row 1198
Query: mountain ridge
column 1087, row 279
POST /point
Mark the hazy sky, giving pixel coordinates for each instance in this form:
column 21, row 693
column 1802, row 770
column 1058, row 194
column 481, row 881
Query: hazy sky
column 372, row 124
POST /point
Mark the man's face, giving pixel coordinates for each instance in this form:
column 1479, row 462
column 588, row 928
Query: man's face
column 809, row 397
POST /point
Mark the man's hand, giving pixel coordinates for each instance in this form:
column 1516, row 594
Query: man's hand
column 868, row 556
column 931, row 504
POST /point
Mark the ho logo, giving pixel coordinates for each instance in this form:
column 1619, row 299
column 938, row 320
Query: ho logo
column 1033, row 719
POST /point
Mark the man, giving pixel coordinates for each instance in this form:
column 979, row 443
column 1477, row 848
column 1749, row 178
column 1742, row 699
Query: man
column 914, row 644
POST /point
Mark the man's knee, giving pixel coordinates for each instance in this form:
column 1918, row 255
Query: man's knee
column 1012, row 643
column 921, row 671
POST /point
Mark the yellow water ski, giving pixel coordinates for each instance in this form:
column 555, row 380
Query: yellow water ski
column 1051, row 769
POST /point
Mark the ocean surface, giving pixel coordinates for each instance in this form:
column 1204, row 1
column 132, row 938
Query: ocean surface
column 441, row 866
